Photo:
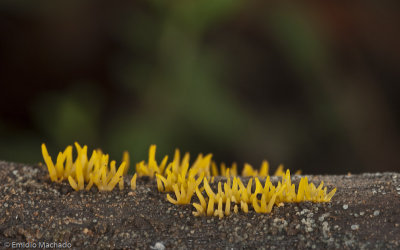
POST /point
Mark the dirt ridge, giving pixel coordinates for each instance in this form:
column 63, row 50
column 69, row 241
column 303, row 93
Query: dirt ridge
column 364, row 213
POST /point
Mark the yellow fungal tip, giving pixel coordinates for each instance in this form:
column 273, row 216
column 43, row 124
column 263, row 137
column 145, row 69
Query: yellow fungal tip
column 133, row 182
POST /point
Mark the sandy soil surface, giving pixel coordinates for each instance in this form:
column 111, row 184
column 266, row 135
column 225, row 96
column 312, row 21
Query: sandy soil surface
column 364, row 213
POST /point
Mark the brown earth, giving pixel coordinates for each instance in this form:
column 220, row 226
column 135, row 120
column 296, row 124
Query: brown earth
column 364, row 213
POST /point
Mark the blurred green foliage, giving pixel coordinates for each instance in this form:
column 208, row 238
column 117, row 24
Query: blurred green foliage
column 243, row 80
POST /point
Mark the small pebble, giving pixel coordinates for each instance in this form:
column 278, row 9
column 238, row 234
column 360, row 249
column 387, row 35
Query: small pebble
column 355, row 227
column 345, row 206
column 376, row 212
column 158, row 246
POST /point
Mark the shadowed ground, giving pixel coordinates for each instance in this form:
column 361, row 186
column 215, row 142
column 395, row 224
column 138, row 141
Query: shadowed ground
column 364, row 213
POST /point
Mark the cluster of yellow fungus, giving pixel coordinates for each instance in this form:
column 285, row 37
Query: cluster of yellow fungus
column 184, row 180
column 84, row 171
column 262, row 199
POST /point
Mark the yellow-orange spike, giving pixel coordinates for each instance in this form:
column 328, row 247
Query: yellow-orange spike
column 152, row 155
column 170, row 199
column 183, row 194
column 199, row 210
column 112, row 171
column 234, row 169
column 103, row 181
column 264, row 168
column 49, row 163
column 330, row 195
column 79, row 175
column 60, row 166
column 104, row 162
column 83, row 156
column 177, row 193
column 201, row 198
column 185, row 158
column 256, row 207
column 90, row 165
column 279, row 171
column 228, row 207
column 133, row 182
column 163, row 164
column 300, row 191
column 249, row 186
column 126, row 159
column 68, row 162
column 200, row 178
column 248, row 170
column 184, row 170
column 210, row 208
column 219, row 211
column 223, row 169
column 271, row 203
column 160, row 186
column 78, row 147
column 208, row 189
column 90, row 184
column 176, row 161
column 116, row 177
column 267, row 185
column 73, row 184
column 288, row 181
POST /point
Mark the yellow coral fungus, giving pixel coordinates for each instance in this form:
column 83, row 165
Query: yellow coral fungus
column 184, row 195
column 84, row 170
column 269, row 194
column 107, row 181
column 184, row 179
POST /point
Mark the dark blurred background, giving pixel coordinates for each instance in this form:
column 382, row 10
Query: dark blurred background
column 314, row 87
